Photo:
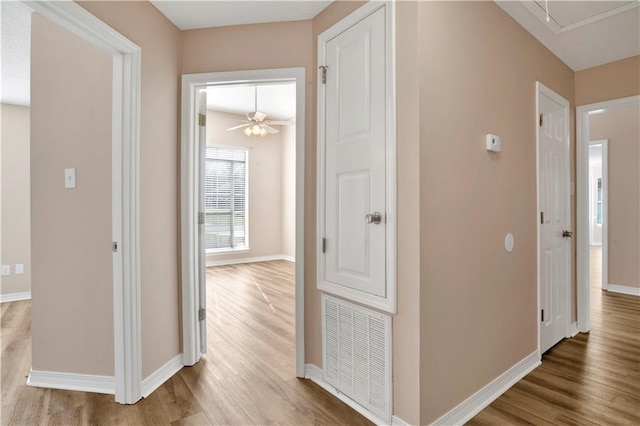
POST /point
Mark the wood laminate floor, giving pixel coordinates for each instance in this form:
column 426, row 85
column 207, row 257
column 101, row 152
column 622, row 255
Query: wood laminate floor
column 247, row 376
column 591, row 379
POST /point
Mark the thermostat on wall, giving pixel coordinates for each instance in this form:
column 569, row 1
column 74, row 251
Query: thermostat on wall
column 493, row 143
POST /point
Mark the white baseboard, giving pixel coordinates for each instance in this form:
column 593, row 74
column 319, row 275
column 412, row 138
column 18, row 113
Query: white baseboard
column 212, row 262
column 314, row 373
column 573, row 329
column 14, row 297
column 72, row 381
column 288, row 258
column 485, row 396
column 623, row 289
column 161, row 375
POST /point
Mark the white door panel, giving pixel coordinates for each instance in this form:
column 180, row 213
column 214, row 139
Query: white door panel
column 355, row 161
column 554, row 198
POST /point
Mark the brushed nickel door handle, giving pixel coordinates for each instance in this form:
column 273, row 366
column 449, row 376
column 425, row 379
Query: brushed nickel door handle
column 373, row 218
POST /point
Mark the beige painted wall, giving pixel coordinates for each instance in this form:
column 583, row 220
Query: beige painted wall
column 266, row 198
column 478, row 316
column 16, row 197
column 159, row 39
column 609, row 81
column 288, row 185
column 72, row 307
column 622, row 129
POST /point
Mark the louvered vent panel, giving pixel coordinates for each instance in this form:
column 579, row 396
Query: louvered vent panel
column 357, row 354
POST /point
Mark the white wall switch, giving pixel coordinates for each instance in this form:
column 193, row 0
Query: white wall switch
column 6, row 270
column 19, row 269
column 493, row 143
column 69, row 178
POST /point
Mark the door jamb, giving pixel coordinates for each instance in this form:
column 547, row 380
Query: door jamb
column 189, row 198
column 125, row 183
column 582, row 200
column 605, row 210
column 540, row 90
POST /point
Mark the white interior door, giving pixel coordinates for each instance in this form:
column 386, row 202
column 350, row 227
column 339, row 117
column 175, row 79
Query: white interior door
column 355, row 181
column 554, row 216
column 202, row 258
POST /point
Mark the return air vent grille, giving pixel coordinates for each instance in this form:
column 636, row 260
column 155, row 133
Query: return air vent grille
column 357, row 354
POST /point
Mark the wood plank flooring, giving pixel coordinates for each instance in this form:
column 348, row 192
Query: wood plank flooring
column 591, row 379
column 247, row 376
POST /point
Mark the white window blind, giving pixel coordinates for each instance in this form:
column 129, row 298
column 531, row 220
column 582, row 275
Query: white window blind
column 225, row 188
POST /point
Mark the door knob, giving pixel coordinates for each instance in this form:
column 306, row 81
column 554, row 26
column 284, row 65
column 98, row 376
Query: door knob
column 567, row 234
column 374, row 218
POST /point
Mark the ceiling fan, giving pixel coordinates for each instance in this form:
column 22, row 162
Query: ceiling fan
column 257, row 124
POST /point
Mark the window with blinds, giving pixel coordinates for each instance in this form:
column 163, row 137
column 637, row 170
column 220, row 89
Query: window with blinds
column 225, row 199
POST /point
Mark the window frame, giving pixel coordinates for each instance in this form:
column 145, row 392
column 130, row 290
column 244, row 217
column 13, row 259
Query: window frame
column 246, row 247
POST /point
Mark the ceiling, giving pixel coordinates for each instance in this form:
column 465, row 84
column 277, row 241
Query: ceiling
column 583, row 34
column 188, row 15
column 16, row 42
column 278, row 101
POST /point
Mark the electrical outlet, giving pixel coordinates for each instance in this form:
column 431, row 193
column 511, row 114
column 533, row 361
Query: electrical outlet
column 6, row 270
column 19, row 269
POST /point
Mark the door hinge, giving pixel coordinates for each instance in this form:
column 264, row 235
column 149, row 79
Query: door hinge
column 202, row 120
column 542, row 315
column 324, row 73
column 114, row 247
column 200, row 218
column 202, row 314
column 541, row 119
column 541, row 217
column 324, row 245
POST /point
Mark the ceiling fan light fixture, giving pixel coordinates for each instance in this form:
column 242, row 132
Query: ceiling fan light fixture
column 263, row 132
column 256, row 129
column 247, row 131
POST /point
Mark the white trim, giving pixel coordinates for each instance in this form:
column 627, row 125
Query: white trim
column 573, row 329
column 161, row 375
column 541, row 89
column 605, row 210
column 396, row 421
column 72, row 381
column 125, row 183
column 471, row 406
column 189, row 199
column 14, row 297
column 623, row 289
column 582, row 201
column 241, row 260
column 388, row 303
column 314, row 373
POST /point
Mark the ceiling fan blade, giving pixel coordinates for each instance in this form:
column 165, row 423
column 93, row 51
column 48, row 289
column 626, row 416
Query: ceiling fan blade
column 280, row 122
column 259, row 116
column 270, row 129
column 239, row 127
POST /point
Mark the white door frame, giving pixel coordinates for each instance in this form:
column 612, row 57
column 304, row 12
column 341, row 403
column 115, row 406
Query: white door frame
column 582, row 198
column 388, row 303
column 125, row 182
column 541, row 89
column 189, row 201
column 605, row 210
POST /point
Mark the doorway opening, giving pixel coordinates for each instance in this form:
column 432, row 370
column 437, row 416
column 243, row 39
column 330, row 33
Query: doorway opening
column 243, row 182
column 613, row 125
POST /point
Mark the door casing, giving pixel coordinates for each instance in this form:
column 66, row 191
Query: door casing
column 582, row 201
column 605, row 212
column 189, row 201
column 541, row 89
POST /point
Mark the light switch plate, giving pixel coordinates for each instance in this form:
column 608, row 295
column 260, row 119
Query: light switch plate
column 69, row 178
column 19, row 269
column 6, row 270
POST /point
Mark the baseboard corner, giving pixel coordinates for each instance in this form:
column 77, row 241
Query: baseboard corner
column 161, row 375
column 471, row 406
column 623, row 289
column 573, row 329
